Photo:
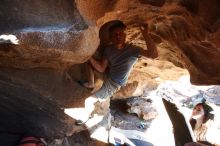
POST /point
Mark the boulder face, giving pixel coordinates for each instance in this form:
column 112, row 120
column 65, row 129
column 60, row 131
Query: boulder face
column 39, row 13
column 39, row 41
column 45, row 34
column 44, row 43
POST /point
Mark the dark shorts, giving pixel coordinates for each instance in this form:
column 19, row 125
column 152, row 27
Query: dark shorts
column 108, row 89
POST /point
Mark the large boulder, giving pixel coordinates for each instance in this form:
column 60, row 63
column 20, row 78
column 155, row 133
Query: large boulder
column 39, row 42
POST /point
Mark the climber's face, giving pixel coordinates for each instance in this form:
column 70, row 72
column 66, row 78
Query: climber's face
column 118, row 36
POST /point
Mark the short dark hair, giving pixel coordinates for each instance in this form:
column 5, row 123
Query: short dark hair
column 208, row 115
column 117, row 24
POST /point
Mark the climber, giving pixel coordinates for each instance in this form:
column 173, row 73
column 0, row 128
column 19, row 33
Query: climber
column 119, row 57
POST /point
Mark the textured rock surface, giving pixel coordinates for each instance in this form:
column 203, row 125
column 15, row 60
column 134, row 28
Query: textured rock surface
column 27, row 112
column 142, row 107
column 38, row 13
column 50, row 34
column 40, row 40
column 43, row 42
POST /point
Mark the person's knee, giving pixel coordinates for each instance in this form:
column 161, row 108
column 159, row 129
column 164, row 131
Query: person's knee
column 90, row 101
